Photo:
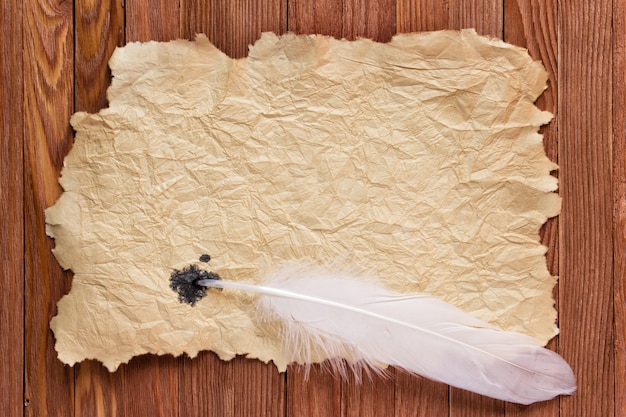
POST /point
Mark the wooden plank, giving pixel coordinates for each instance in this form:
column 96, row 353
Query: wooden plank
column 207, row 387
column 419, row 397
column 486, row 17
column 239, row 387
column 348, row 19
column 151, row 383
column 422, row 15
column 151, row 386
column 98, row 392
column 152, row 20
column 532, row 25
column 259, row 389
column 416, row 396
column 233, row 25
column 374, row 395
column 483, row 15
column 48, row 103
column 324, row 17
column 373, row 19
column 12, row 212
column 586, row 249
column 619, row 201
column 99, row 29
column 316, row 393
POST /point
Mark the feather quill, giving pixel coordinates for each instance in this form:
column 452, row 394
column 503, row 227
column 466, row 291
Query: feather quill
column 345, row 316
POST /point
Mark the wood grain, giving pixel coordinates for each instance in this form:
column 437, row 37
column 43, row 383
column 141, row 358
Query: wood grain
column 585, row 241
column 11, row 212
column 151, row 383
column 313, row 393
column 486, row 17
column 468, row 404
column 619, row 201
column 422, row 15
column 259, row 389
column 98, row 392
column 349, row 19
column 416, row 396
column 372, row 396
column 359, row 18
column 233, row 25
column 533, row 25
column 99, row 28
column 48, row 104
column 324, row 17
column 54, row 61
column 156, row 20
column 207, row 387
column 240, row 387
column 373, row 19
column 419, row 397
column 151, row 386
column 483, row 15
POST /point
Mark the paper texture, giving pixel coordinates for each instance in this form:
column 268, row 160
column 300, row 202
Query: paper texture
column 418, row 161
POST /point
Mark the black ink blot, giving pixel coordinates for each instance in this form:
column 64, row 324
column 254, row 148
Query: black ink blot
column 185, row 283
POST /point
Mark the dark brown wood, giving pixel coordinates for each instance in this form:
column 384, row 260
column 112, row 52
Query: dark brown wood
column 151, row 383
column 233, row 25
column 240, row 387
column 468, row 404
column 422, row 15
column 48, row 103
column 532, row 25
column 373, row 395
column 348, row 19
column 47, row 76
column 152, row 20
column 483, row 15
column 367, row 19
column 207, row 387
column 324, row 17
column 619, row 201
column 486, row 17
column 11, row 212
column 98, row 392
column 313, row 393
column 259, row 389
column 416, row 396
column 585, row 242
column 99, row 29
column 151, row 386
column 373, row 19
column 419, row 397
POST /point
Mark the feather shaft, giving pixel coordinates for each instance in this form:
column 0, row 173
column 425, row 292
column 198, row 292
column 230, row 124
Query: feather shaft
column 360, row 320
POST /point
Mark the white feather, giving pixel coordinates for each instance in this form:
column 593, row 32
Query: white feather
column 347, row 317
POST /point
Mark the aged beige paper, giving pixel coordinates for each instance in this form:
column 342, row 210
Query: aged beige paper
column 418, row 161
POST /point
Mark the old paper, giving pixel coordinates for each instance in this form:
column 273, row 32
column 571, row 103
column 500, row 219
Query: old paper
column 418, row 160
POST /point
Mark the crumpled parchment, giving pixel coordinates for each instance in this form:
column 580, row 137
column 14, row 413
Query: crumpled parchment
column 418, row 161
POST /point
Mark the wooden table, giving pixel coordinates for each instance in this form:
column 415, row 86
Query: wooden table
column 54, row 62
